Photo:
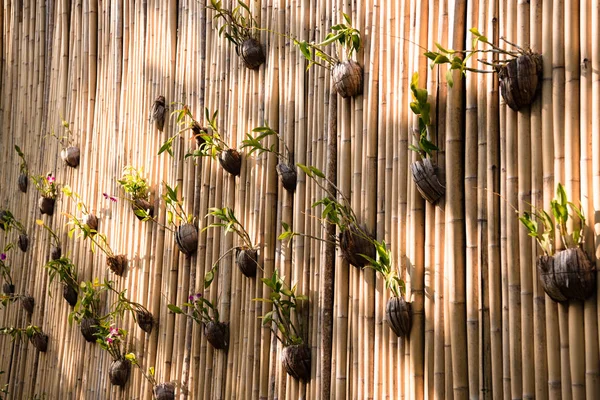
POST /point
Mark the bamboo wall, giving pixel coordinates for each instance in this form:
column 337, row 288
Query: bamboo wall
column 482, row 325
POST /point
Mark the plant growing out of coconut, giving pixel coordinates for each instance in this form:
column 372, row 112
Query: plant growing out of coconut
column 23, row 171
column 162, row 391
column 241, row 28
column 565, row 270
column 27, row 301
column 424, row 171
column 204, row 313
column 87, row 309
column 519, row 72
column 136, row 187
column 70, row 152
column 286, row 322
column 112, row 340
column 353, row 239
column 140, row 314
column 64, row 269
column 346, row 74
column 285, row 168
column 48, row 190
column 7, row 287
column 55, row 246
column 8, row 222
column 34, row 333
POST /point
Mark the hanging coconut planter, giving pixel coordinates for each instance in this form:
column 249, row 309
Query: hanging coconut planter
column 247, row 260
column 69, row 294
column 186, row 238
column 199, row 132
column 8, row 288
column 568, row 275
column 119, row 372
column 398, row 314
column 145, row 320
column 70, row 156
column 217, row 334
column 288, row 176
column 92, row 222
column 142, row 205
column 252, row 53
column 519, row 80
column 89, row 329
column 27, row 302
column 117, row 264
column 55, row 252
column 428, row 184
column 39, row 341
column 164, row 391
column 231, row 161
column 347, row 78
column 46, row 205
column 296, row 361
column 23, row 182
column 23, row 242
column 353, row 243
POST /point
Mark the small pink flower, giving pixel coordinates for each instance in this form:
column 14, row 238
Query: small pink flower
column 50, row 179
column 110, row 340
column 2, row 256
column 109, row 197
column 114, row 331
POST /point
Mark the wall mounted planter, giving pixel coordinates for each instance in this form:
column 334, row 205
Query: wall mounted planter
column 568, row 275
column 428, row 184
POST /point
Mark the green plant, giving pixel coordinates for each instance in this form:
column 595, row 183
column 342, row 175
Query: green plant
column 238, row 24
column 66, row 139
column 421, row 107
column 88, row 303
column 21, row 334
column 4, row 267
column 64, row 269
column 23, row 166
column 9, row 221
column 46, row 185
column 133, row 183
column 383, row 265
column 213, row 145
column 186, row 121
column 176, row 214
column 110, row 339
column 255, row 143
column 54, row 239
column 4, row 390
column 123, row 304
column 285, row 301
column 540, row 225
column 150, row 375
column 202, row 310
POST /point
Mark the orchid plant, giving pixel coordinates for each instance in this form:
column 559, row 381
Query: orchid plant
column 133, row 183
column 46, row 185
column 149, row 375
column 202, row 310
column 110, row 339
column 176, row 214
column 421, row 107
column 88, row 303
column 4, row 266
column 23, row 166
column 54, row 239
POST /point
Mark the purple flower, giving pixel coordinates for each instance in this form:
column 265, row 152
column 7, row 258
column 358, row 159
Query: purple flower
column 2, row 256
column 109, row 340
column 114, row 331
column 194, row 297
column 109, row 197
column 50, row 179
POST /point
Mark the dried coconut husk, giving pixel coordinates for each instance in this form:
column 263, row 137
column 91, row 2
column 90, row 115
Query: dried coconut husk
column 70, row 156
column 288, row 175
column 159, row 111
column 89, row 328
column 347, row 78
column 55, row 252
column 143, row 205
column 70, row 294
column 427, row 182
column 252, row 53
column 186, row 238
column 23, row 242
column 231, row 161
column 519, row 80
column 27, row 302
column 198, row 133
column 46, row 205
column 568, row 275
column 217, row 334
column 296, row 361
column 23, row 182
column 353, row 244
column 119, row 372
column 398, row 314
column 8, row 288
column 247, row 260
column 145, row 320
column 39, row 341
column 91, row 221
column 117, row 264
column 164, row 391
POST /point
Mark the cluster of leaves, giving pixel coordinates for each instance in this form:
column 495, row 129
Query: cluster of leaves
column 285, row 301
column 213, row 145
column 123, row 304
column 46, row 185
column 383, row 265
column 23, row 166
column 9, row 221
column 110, row 338
column 185, row 125
column 421, row 107
column 88, row 302
column 150, row 375
column 4, row 266
column 343, row 34
column 238, row 23
column 54, row 239
column 540, row 225
column 6, row 299
column 255, row 143
column 133, row 183
column 64, row 269
column 19, row 334
column 176, row 214
column 66, row 139
column 201, row 309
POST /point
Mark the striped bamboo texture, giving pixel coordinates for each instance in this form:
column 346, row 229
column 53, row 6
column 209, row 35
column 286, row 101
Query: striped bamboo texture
column 482, row 325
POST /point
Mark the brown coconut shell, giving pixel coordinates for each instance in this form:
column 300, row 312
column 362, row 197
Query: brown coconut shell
column 198, row 132
column 27, row 303
column 70, row 156
column 55, row 252
column 46, row 205
column 39, row 341
column 231, row 161
column 164, row 391
column 398, row 314
column 8, row 288
column 353, row 244
column 117, row 264
column 23, row 181
column 347, row 78
column 23, row 242
column 91, row 221
column 89, row 329
column 70, row 294
column 252, row 53
column 428, row 184
column 186, row 238
column 288, row 176
column 119, row 372
column 159, row 111
column 145, row 320
column 296, row 361
column 519, row 79
column 247, row 261
column 142, row 204
column 217, row 334
column 569, row 275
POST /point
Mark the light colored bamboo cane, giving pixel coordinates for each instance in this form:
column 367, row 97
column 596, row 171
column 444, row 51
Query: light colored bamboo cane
column 595, row 128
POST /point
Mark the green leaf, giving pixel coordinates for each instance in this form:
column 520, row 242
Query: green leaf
column 347, row 18
column 443, row 50
column 317, row 172
column 208, row 278
column 449, row 78
column 173, row 308
column 431, row 55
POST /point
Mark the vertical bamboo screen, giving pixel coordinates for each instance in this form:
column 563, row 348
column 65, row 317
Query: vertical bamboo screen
column 482, row 325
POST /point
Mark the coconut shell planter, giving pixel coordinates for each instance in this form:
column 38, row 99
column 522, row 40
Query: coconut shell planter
column 8, row 288
column 142, row 205
column 164, row 391
column 231, row 161
column 39, row 341
column 70, row 156
column 347, row 78
column 186, row 238
column 519, row 80
column 119, row 372
column 27, row 303
column 91, row 221
column 247, row 260
column 217, row 334
column 252, row 53
column 46, row 205
column 145, row 320
column 288, row 175
column 89, row 329
column 117, row 264
column 353, row 244
column 23, row 242
column 296, row 361
column 398, row 314
column 55, row 252
column 428, row 184
column 568, row 275
column 22, row 182
column 70, row 294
